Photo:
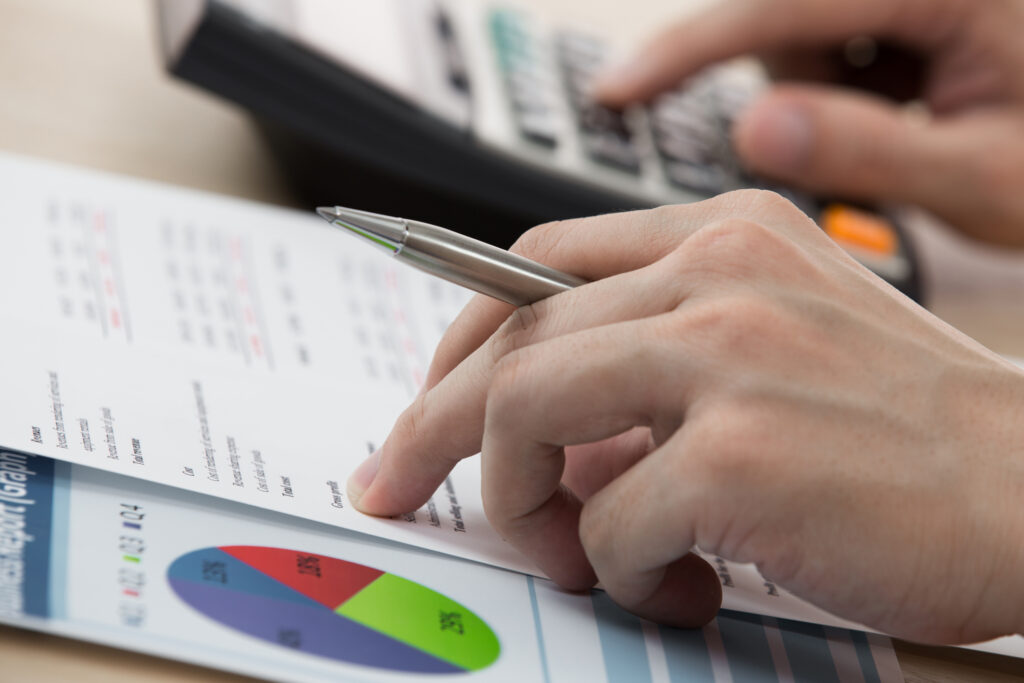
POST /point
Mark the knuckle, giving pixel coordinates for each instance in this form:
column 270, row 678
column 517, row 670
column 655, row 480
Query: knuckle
column 540, row 242
column 734, row 234
column 732, row 248
column 517, row 332
column 503, row 393
column 732, row 448
column 409, row 427
column 763, row 203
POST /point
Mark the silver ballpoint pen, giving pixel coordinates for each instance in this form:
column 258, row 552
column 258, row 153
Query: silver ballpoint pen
column 463, row 260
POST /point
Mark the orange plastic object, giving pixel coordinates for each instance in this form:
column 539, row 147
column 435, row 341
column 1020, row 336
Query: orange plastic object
column 856, row 228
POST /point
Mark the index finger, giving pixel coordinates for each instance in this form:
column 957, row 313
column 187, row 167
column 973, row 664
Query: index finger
column 742, row 27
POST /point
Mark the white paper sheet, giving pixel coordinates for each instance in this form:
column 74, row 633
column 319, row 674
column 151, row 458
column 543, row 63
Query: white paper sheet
column 238, row 350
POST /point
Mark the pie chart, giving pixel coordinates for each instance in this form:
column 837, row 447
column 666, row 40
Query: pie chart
column 333, row 608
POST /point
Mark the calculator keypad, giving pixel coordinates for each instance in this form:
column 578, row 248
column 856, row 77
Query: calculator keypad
column 682, row 139
column 689, row 128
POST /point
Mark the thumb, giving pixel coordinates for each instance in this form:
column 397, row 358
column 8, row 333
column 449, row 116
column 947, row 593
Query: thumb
column 836, row 142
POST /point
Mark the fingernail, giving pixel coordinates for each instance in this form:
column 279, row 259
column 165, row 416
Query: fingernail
column 776, row 137
column 362, row 477
column 614, row 77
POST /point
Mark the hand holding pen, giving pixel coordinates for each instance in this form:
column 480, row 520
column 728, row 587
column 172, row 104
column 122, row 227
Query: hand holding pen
column 728, row 379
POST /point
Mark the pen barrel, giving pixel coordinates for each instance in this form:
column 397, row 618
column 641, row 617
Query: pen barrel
column 482, row 267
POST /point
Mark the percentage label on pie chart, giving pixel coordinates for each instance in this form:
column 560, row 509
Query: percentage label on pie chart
column 333, row 608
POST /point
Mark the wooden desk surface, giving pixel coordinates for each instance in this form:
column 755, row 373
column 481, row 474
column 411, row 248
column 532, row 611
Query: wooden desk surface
column 81, row 83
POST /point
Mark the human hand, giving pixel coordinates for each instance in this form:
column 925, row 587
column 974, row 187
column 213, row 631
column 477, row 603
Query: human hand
column 963, row 160
column 741, row 386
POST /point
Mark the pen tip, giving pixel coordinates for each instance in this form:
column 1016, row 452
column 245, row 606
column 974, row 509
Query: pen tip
column 328, row 213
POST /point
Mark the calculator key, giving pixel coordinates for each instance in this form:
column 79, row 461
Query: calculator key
column 604, row 142
column 689, row 140
column 528, row 87
column 604, row 133
column 538, row 127
column 598, row 119
column 704, row 179
column 851, row 227
column 458, row 74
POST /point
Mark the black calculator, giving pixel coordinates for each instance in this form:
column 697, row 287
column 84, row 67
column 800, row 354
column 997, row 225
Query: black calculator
column 476, row 115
